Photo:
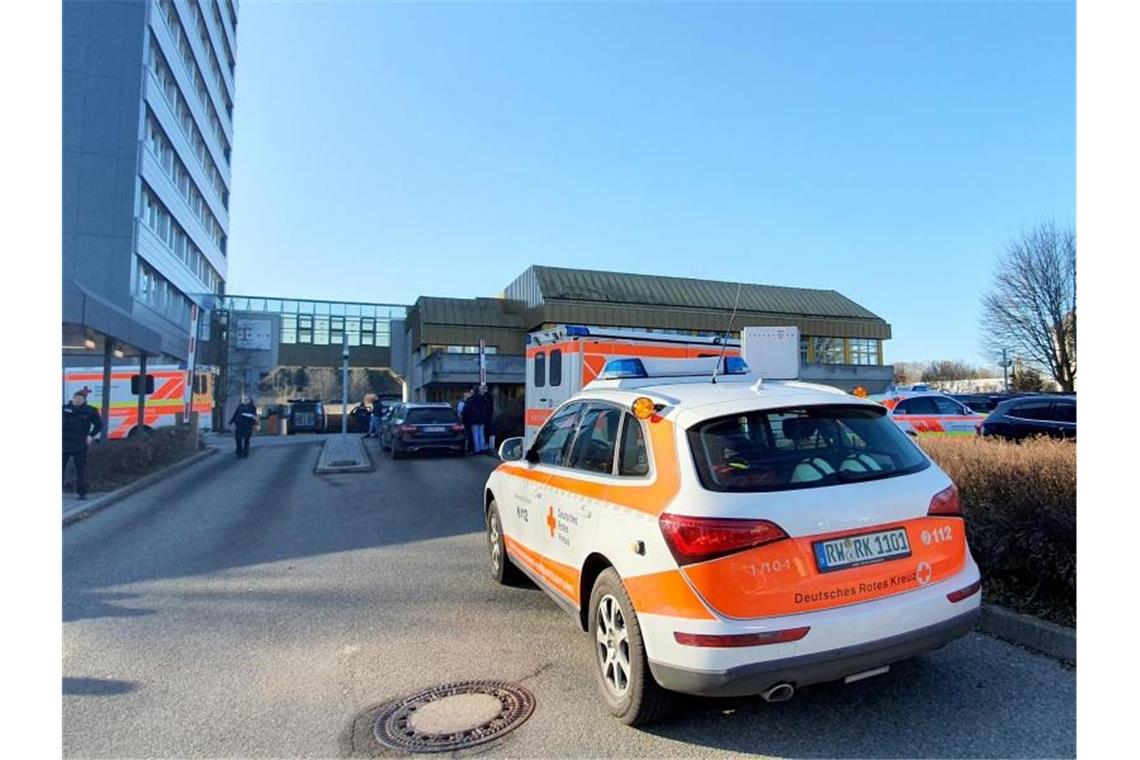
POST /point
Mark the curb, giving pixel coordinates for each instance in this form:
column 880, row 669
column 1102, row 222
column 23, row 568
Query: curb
column 90, row 508
column 1057, row 641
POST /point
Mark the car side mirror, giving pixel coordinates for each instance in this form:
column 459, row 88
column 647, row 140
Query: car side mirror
column 511, row 450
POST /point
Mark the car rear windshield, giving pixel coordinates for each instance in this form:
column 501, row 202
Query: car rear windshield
column 805, row 447
column 440, row 416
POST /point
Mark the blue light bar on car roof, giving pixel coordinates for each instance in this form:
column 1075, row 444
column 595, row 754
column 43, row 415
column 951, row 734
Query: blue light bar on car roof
column 578, row 330
column 619, row 369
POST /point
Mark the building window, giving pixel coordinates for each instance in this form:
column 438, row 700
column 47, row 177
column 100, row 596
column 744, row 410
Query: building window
column 805, row 357
column 336, row 331
column 304, row 328
column 828, row 350
column 864, row 350
column 288, row 329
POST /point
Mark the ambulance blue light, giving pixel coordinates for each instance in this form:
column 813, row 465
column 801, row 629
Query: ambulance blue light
column 735, row 365
column 618, row 369
column 577, row 330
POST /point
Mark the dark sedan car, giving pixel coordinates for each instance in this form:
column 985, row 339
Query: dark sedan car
column 1021, row 418
column 422, row 427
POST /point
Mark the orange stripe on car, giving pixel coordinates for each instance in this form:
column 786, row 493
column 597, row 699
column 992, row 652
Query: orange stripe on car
column 781, row 578
column 665, row 593
column 562, row 578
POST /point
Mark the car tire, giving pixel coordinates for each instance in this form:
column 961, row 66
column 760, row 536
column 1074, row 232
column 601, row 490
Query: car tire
column 503, row 570
column 642, row 700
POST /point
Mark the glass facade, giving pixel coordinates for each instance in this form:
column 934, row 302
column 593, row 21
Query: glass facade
column 324, row 323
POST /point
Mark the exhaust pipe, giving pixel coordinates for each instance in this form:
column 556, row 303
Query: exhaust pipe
column 781, row 692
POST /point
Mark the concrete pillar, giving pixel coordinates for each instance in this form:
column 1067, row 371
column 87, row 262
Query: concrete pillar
column 105, row 403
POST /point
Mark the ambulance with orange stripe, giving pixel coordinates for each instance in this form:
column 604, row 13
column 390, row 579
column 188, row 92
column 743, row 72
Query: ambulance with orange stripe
column 163, row 403
column 564, row 359
column 747, row 536
column 929, row 413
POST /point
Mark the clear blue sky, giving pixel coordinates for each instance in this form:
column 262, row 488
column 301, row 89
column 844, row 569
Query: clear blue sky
column 888, row 151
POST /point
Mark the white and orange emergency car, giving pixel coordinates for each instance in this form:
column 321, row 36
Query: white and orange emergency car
column 732, row 538
column 929, row 413
column 161, row 406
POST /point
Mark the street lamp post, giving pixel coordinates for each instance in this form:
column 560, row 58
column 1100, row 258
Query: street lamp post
column 344, row 386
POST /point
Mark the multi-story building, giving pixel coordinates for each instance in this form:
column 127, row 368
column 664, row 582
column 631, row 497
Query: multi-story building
column 148, row 94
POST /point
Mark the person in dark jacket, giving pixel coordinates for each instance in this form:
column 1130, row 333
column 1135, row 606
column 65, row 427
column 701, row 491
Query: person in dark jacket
column 481, row 413
column 488, row 409
column 81, row 424
column 243, row 420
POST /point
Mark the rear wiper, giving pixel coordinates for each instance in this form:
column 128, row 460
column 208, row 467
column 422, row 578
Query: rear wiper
column 847, row 476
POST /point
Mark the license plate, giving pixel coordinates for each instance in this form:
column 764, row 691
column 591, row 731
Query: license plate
column 862, row 549
column 435, row 429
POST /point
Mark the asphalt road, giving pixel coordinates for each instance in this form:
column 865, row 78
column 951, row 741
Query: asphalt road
column 254, row 609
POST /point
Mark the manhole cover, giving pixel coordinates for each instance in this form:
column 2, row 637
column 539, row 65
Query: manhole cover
column 453, row 716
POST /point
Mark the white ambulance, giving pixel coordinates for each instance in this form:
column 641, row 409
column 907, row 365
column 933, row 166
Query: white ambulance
column 164, row 400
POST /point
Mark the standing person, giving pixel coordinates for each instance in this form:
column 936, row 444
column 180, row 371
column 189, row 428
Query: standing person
column 475, row 407
column 243, row 420
column 488, row 409
column 81, row 424
column 466, row 416
column 376, row 418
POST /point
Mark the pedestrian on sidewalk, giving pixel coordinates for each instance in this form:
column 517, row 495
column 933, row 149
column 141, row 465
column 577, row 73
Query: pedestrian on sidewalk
column 243, row 420
column 481, row 412
column 376, row 418
column 81, row 424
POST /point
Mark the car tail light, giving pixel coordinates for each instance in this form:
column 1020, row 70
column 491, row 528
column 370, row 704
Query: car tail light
column 964, row 593
column 946, row 503
column 457, row 428
column 407, row 428
column 697, row 539
column 740, row 639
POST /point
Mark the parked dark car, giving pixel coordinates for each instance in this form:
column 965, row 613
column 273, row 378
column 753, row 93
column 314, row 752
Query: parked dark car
column 306, row 416
column 1019, row 418
column 422, row 427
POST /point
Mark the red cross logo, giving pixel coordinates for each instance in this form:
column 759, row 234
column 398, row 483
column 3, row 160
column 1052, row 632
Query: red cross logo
column 550, row 521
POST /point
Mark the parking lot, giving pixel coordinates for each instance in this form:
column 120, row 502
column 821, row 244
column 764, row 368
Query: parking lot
column 252, row 608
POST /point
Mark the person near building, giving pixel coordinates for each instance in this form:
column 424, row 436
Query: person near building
column 463, row 410
column 376, row 418
column 81, row 424
column 243, row 420
column 488, row 409
column 481, row 414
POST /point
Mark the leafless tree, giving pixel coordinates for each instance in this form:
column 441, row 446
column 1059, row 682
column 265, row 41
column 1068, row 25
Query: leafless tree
column 1031, row 311
column 944, row 370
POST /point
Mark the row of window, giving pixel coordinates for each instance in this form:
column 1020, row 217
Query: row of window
column 232, row 13
column 182, row 40
column 156, row 291
column 215, row 67
column 163, row 150
column 182, row 114
column 162, row 223
column 819, row 350
column 214, row 6
column 596, row 438
column 330, row 331
column 335, row 308
column 438, row 349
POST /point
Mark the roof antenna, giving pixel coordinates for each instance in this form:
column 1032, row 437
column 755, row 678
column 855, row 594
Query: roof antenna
column 724, row 340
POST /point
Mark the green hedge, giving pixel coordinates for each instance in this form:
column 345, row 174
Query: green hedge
column 114, row 464
column 1020, row 501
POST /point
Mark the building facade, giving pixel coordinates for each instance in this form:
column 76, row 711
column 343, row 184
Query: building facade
column 148, row 97
column 841, row 342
